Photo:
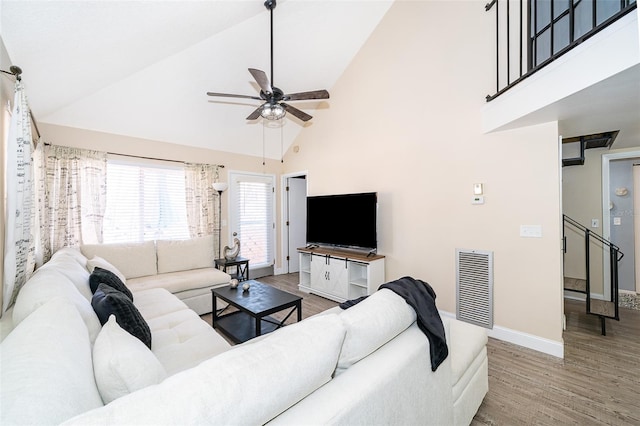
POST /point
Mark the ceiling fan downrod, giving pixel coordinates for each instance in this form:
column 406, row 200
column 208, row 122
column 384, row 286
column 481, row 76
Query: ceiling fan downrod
column 270, row 5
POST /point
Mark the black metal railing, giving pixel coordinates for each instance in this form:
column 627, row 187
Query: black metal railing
column 615, row 256
column 530, row 34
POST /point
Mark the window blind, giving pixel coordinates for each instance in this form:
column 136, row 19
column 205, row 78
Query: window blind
column 144, row 202
column 253, row 205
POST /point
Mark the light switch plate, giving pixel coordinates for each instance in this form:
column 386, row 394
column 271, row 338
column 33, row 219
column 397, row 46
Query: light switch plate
column 595, row 223
column 531, row 231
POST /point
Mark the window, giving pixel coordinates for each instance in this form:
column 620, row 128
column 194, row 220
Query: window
column 251, row 205
column 556, row 24
column 145, row 201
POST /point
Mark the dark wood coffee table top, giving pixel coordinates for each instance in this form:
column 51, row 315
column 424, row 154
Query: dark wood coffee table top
column 254, row 307
column 259, row 299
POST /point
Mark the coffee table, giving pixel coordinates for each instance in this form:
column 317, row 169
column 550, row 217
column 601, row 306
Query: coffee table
column 254, row 307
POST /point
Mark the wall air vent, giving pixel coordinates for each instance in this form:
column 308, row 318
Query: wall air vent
column 474, row 287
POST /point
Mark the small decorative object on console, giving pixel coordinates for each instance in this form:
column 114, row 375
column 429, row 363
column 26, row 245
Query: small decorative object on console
column 234, row 283
column 246, row 286
column 230, row 253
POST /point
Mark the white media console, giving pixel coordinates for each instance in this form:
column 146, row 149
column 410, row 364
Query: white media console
column 339, row 275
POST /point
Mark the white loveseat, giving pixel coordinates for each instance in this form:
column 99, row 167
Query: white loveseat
column 369, row 364
column 184, row 267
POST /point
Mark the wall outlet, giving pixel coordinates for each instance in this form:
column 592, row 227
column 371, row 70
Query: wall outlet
column 617, row 221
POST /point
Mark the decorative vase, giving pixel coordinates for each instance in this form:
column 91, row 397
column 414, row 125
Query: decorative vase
column 230, row 253
column 234, row 283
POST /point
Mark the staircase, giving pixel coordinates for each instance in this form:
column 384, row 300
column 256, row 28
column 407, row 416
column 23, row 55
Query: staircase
column 574, row 147
column 595, row 306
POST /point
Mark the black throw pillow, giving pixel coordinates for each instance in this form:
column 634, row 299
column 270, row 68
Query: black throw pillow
column 104, row 276
column 107, row 301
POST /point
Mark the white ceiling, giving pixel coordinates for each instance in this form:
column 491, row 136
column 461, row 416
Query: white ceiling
column 142, row 68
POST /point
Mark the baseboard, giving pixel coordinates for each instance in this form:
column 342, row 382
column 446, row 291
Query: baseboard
column 573, row 295
column 540, row 344
column 279, row 271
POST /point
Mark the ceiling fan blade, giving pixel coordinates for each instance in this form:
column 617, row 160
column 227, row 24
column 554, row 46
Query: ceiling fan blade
column 262, row 80
column 255, row 114
column 228, row 95
column 295, row 111
column 314, row 94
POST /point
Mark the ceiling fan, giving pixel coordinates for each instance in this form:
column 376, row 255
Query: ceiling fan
column 274, row 106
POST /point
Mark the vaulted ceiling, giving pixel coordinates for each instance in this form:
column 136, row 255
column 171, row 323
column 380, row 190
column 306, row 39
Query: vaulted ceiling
column 142, row 68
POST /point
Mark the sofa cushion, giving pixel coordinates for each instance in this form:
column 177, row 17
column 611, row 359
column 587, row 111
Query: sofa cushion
column 181, row 339
column 372, row 323
column 47, row 373
column 108, row 301
column 98, row 262
column 177, row 282
column 183, row 255
column 132, row 259
column 467, row 341
column 250, row 384
column 46, row 284
column 123, row 364
column 103, row 276
column 72, row 252
column 67, row 262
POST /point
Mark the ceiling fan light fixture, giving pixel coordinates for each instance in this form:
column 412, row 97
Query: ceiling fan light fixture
column 272, row 111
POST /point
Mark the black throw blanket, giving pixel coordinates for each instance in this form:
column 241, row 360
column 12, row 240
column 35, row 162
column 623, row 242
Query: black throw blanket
column 421, row 297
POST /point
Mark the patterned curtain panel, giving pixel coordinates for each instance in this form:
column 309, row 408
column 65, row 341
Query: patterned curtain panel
column 202, row 200
column 77, row 191
column 19, row 260
column 43, row 233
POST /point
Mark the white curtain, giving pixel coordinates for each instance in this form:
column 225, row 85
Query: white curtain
column 43, row 231
column 77, row 189
column 202, row 200
column 19, row 257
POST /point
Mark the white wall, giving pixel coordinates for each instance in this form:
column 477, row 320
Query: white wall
column 405, row 121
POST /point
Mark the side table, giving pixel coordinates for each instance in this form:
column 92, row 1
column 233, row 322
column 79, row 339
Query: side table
column 241, row 265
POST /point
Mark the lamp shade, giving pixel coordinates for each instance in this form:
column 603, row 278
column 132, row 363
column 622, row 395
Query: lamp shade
column 220, row 186
column 272, row 111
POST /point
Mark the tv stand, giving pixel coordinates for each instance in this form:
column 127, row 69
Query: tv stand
column 339, row 275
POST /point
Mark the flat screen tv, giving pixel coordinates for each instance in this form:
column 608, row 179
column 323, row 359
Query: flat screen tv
column 347, row 220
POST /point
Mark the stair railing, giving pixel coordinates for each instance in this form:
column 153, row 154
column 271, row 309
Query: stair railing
column 615, row 256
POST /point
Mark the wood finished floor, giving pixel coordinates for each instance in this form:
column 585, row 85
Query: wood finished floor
column 597, row 382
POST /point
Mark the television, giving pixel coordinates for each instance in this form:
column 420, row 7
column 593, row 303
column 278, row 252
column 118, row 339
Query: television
column 346, row 220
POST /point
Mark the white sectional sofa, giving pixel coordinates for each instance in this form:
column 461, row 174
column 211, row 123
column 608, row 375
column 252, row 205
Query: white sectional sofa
column 369, row 364
column 185, row 267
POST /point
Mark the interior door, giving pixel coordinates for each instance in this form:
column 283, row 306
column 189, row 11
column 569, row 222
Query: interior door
column 296, row 220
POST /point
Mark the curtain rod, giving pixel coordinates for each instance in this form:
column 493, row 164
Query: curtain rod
column 148, row 158
column 16, row 72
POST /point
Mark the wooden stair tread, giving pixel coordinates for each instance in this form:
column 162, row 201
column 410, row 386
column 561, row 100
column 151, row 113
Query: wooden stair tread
column 575, row 284
column 603, row 307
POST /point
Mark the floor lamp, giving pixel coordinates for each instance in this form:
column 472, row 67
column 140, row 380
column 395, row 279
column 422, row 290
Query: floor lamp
column 220, row 187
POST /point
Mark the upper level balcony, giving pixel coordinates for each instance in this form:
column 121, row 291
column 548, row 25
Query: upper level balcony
column 572, row 61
